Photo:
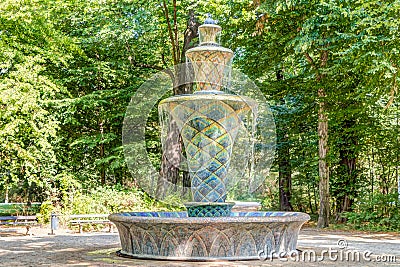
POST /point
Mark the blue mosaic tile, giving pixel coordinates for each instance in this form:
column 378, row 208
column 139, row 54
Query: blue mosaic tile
column 214, row 165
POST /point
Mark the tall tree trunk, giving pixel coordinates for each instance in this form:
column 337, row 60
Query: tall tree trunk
column 285, row 176
column 323, row 169
column 397, row 154
column 180, row 76
column 347, row 169
column 309, row 196
column 6, row 195
column 285, row 179
column 102, row 153
column 323, row 218
column 182, row 80
column 102, row 170
column 171, row 155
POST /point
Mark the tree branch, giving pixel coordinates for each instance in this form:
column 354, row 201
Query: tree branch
column 149, row 66
column 170, row 33
column 310, row 60
column 154, row 67
column 324, row 58
column 191, row 32
column 176, row 33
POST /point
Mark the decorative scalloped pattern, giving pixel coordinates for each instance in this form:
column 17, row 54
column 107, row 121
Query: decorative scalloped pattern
column 217, row 240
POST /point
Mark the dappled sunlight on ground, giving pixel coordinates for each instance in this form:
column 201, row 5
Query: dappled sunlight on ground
column 99, row 249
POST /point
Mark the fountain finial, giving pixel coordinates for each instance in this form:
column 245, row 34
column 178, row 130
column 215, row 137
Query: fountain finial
column 209, row 31
column 210, row 20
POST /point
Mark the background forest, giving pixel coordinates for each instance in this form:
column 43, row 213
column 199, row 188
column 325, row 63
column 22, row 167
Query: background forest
column 328, row 68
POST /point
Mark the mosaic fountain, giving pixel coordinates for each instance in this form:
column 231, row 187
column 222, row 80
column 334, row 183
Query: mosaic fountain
column 209, row 121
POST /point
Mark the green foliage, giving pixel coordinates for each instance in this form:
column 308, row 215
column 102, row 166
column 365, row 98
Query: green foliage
column 358, row 75
column 29, row 45
column 107, row 200
column 44, row 214
column 377, row 212
column 19, row 208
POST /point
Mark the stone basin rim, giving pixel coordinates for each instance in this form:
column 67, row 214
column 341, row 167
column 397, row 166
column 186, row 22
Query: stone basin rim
column 235, row 217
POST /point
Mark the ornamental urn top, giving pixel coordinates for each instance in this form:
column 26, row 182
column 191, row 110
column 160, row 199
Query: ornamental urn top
column 210, row 61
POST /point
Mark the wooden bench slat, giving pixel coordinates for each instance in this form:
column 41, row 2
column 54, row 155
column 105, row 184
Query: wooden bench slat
column 89, row 221
column 31, row 217
column 7, row 218
column 19, row 220
column 81, row 219
column 76, row 216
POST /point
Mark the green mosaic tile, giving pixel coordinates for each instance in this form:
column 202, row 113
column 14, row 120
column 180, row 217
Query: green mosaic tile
column 210, row 210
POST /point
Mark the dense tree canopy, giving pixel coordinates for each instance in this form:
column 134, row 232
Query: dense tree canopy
column 329, row 70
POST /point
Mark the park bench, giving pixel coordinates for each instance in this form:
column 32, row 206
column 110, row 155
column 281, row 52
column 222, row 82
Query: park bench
column 82, row 219
column 27, row 221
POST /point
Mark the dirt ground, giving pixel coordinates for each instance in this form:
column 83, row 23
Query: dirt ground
column 67, row 248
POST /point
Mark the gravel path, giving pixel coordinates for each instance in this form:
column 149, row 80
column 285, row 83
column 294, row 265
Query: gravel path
column 98, row 249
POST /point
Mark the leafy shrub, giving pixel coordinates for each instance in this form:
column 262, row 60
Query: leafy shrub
column 103, row 199
column 107, row 199
column 379, row 213
column 45, row 212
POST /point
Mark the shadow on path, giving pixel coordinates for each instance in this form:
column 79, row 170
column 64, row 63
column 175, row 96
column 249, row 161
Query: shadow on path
column 99, row 249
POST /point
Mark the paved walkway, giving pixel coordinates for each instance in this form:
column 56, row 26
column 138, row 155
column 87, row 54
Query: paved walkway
column 326, row 248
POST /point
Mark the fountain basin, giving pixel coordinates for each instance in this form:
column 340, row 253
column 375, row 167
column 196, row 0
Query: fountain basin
column 175, row 236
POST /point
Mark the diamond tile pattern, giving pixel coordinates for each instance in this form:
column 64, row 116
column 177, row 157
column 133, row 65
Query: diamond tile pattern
column 208, row 126
column 209, row 67
column 208, row 137
column 207, row 185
